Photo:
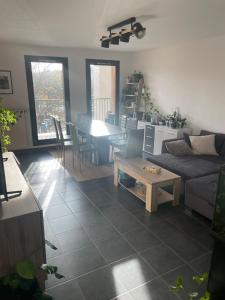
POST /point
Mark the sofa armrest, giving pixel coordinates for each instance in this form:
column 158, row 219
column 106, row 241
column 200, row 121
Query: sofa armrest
column 164, row 150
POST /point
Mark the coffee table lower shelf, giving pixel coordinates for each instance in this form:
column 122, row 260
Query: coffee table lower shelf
column 155, row 194
column 162, row 195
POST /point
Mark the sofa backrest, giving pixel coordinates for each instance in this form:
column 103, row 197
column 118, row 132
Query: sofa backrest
column 219, row 141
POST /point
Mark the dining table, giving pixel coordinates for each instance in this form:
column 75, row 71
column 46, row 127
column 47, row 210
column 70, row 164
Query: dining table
column 100, row 133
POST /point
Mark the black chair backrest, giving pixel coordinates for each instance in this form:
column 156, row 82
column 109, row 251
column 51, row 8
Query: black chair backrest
column 131, row 124
column 60, row 132
column 74, row 137
column 55, row 126
column 123, row 122
column 134, row 145
column 110, row 118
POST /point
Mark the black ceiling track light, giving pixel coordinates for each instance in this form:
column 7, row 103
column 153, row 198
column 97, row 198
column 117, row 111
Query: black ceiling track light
column 136, row 29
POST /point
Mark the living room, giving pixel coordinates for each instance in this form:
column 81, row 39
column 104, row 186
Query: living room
column 76, row 220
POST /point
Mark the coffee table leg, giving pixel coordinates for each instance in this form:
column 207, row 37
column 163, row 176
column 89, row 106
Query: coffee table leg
column 116, row 172
column 176, row 191
column 151, row 198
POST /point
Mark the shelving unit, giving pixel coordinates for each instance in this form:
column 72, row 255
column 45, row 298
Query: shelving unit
column 131, row 98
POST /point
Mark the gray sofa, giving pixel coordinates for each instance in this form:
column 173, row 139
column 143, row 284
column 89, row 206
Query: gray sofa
column 199, row 175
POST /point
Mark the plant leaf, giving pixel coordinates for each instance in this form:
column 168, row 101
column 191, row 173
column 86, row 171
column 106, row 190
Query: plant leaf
column 25, row 269
column 50, row 245
column 199, row 279
column 58, row 276
column 193, row 295
column 49, row 269
column 179, row 285
column 206, row 296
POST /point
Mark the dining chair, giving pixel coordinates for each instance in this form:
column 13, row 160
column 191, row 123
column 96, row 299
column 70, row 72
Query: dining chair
column 80, row 151
column 83, row 119
column 120, row 143
column 56, row 133
column 64, row 140
column 110, row 118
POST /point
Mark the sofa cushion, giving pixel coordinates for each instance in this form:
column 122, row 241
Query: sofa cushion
column 219, row 139
column 203, row 187
column 179, row 147
column 187, row 166
column 203, row 145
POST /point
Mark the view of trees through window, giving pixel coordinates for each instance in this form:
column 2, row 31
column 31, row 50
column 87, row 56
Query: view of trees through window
column 48, row 83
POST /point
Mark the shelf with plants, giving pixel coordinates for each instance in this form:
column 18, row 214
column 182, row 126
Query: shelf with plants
column 132, row 93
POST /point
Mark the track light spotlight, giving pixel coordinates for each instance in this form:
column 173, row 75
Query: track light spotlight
column 125, row 35
column 105, row 41
column 138, row 30
column 114, row 38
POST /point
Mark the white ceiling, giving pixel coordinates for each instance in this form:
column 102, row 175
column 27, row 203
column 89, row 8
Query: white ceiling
column 80, row 23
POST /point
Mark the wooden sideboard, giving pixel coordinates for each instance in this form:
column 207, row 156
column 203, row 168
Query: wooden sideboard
column 21, row 224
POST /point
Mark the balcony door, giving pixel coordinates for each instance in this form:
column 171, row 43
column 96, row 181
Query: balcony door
column 48, row 91
column 103, row 89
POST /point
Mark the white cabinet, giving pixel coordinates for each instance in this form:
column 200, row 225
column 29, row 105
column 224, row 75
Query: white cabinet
column 156, row 134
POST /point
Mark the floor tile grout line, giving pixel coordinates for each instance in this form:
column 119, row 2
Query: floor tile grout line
column 134, row 229
column 186, row 263
column 132, row 245
column 157, row 277
column 87, row 273
column 105, row 266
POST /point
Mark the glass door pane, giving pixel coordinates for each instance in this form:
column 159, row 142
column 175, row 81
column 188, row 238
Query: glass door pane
column 48, row 90
column 49, row 97
column 103, row 89
column 103, row 92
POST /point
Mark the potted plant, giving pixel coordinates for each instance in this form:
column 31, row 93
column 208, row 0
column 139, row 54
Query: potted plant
column 175, row 120
column 22, row 284
column 136, row 77
column 8, row 119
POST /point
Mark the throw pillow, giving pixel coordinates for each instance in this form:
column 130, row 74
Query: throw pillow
column 179, row 147
column 219, row 139
column 203, row 145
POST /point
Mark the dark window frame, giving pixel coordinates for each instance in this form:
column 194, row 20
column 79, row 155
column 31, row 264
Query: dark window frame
column 103, row 62
column 51, row 59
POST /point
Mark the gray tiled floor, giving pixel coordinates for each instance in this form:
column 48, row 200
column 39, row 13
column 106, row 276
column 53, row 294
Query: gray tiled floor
column 109, row 247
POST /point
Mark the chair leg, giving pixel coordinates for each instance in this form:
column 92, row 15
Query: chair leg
column 64, row 156
column 73, row 158
column 79, row 158
column 61, row 153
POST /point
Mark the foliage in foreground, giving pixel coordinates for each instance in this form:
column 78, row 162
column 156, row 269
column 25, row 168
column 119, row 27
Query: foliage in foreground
column 23, row 284
column 8, row 119
column 199, row 280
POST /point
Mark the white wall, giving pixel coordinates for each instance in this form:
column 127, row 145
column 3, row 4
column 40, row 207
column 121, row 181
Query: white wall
column 190, row 76
column 12, row 58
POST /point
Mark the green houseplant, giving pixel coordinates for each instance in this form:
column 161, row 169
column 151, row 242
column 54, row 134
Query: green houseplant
column 8, row 118
column 175, row 120
column 195, row 295
column 152, row 114
column 22, row 284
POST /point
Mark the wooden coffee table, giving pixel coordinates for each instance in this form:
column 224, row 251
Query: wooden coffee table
column 154, row 183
